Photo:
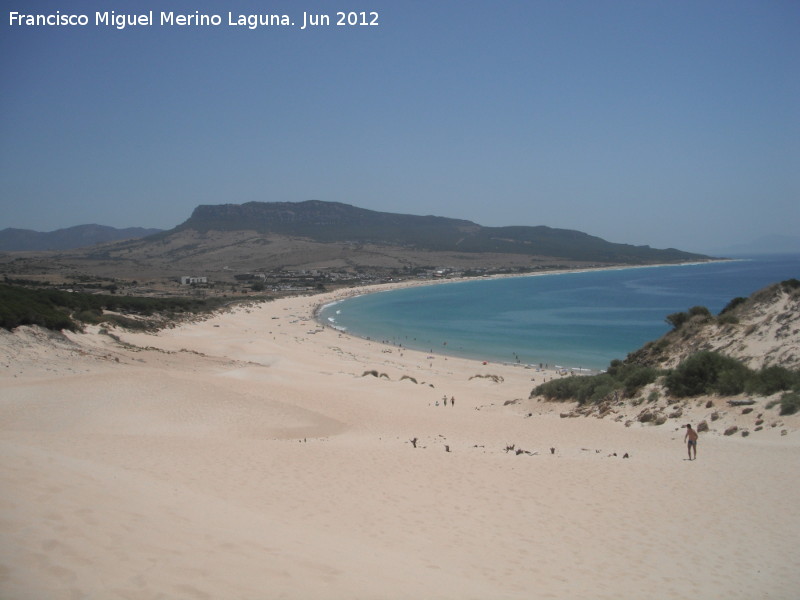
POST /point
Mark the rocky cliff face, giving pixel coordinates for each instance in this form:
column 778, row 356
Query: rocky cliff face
column 762, row 331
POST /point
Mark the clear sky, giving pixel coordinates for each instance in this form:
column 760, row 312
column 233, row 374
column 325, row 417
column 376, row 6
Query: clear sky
column 670, row 123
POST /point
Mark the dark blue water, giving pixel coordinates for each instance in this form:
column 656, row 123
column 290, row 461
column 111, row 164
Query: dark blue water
column 570, row 319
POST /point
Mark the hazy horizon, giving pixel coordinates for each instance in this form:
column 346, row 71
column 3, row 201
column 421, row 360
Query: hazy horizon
column 774, row 244
column 664, row 124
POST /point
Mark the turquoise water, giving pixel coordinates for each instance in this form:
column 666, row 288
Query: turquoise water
column 577, row 320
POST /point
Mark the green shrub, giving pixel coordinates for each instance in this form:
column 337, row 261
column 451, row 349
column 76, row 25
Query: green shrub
column 629, row 378
column 699, row 311
column 615, row 366
column 638, row 378
column 790, row 403
column 732, row 304
column 728, row 319
column 771, row 380
column 51, row 308
column 92, row 316
column 790, row 285
column 677, row 319
column 732, row 380
column 702, row 373
column 127, row 322
column 581, row 389
column 706, row 373
column 596, row 388
column 559, row 390
column 21, row 306
column 714, row 373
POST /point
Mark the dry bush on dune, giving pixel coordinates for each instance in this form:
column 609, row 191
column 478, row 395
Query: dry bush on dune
column 374, row 373
column 495, row 378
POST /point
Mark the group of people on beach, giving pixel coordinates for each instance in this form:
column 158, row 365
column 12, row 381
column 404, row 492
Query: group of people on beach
column 444, row 400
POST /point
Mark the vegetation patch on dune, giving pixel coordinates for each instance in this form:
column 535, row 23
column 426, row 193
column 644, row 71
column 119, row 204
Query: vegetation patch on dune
column 714, row 373
column 699, row 370
column 620, row 379
column 704, row 373
column 58, row 309
column 495, row 378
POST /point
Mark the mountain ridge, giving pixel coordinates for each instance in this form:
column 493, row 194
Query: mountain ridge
column 329, row 222
column 79, row 236
column 338, row 242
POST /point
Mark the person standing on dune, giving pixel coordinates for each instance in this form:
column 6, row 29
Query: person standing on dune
column 691, row 439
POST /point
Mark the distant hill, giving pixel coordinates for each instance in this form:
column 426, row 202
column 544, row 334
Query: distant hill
column 341, row 241
column 329, row 222
column 80, row 236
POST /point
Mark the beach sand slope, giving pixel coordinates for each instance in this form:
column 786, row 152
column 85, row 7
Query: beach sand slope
column 249, row 456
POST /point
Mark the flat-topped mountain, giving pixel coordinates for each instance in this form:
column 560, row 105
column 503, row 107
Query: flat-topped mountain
column 329, row 222
column 339, row 241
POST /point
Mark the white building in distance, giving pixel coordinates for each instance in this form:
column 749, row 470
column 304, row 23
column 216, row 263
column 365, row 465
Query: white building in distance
column 188, row 280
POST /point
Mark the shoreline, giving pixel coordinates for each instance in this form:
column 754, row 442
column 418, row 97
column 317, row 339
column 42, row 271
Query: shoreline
column 393, row 286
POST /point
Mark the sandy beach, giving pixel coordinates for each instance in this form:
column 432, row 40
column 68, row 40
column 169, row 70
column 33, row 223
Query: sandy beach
column 249, row 456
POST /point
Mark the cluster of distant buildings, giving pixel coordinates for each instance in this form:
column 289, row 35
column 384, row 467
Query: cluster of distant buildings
column 309, row 279
column 328, row 276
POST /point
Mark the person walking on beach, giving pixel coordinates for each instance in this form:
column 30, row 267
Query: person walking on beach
column 691, row 439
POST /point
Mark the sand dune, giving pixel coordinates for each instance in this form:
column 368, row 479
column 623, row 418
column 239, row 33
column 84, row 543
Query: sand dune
column 248, row 456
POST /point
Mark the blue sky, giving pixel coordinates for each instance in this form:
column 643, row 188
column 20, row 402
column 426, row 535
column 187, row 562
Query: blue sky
column 668, row 123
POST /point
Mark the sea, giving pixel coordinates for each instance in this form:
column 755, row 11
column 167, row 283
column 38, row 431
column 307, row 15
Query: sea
column 578, row 320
